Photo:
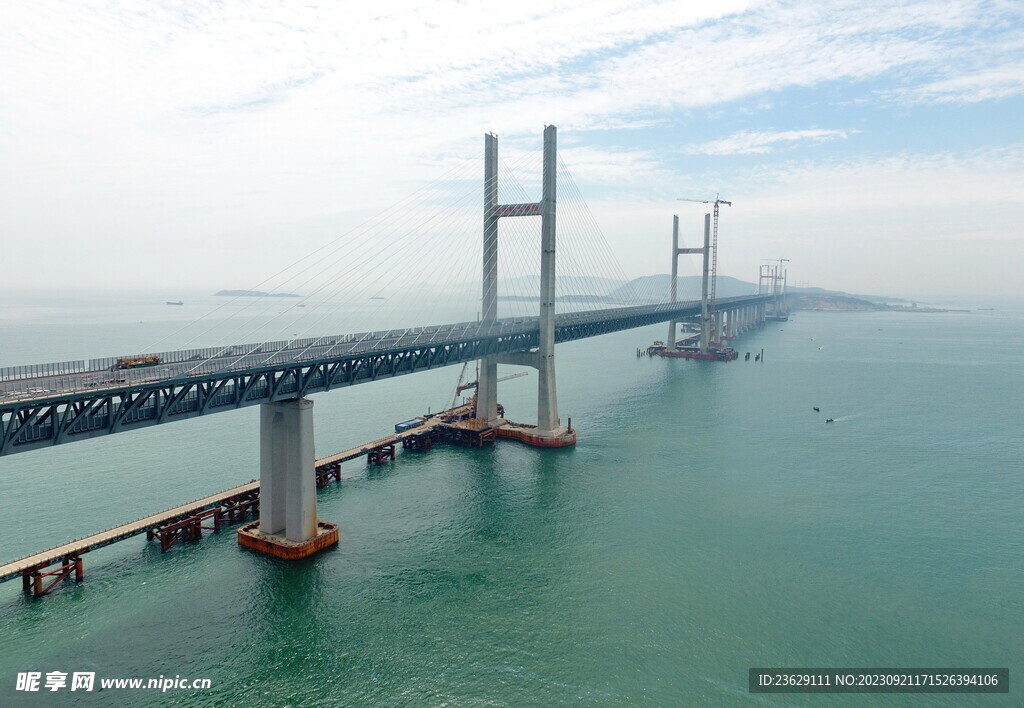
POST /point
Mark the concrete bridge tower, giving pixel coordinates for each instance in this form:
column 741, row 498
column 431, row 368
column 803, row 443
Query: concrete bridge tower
column 550, row 432
column 676, row 252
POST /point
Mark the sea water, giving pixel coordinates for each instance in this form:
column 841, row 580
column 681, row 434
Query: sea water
column 708, row 521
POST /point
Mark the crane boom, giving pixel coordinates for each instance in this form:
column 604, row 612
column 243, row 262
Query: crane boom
column 473, row 384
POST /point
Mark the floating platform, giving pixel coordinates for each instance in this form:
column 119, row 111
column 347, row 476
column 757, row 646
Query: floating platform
column 722, row 354
column 278, row 546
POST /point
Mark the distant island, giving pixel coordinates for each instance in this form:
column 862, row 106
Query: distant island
column 842, row 302
column 251, row 293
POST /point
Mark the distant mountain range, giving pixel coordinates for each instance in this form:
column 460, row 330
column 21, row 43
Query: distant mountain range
column 646, row 289
column 656, row 288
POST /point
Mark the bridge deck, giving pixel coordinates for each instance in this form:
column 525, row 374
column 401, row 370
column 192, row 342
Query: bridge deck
column 58, row 409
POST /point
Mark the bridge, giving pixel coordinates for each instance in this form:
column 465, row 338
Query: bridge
column 53, row 404
column 80, row 402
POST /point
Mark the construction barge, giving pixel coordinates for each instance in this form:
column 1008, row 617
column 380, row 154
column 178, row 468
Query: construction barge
column 42, row 572
column 714, row 353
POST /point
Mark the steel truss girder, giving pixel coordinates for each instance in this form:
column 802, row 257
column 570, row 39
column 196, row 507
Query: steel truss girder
column 42, row 423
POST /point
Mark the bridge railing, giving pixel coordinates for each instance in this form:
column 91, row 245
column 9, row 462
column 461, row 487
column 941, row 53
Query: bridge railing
column 28, row 371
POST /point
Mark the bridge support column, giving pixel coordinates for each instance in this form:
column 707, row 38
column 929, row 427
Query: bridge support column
column 548, row 422
column 288, row 526
column 671, row 341
column 705, row 317
column 487, row 380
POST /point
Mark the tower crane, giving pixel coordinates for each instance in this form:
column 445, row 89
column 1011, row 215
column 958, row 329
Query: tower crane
column 714, row 247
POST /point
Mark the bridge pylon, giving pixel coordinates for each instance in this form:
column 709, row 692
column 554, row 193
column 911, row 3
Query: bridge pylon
column 549, row 431
column 676, row 252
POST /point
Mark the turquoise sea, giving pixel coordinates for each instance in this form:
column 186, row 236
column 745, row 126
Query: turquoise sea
column 708, row 521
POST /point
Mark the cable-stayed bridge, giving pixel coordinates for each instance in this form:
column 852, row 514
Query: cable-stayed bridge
column 46, row 405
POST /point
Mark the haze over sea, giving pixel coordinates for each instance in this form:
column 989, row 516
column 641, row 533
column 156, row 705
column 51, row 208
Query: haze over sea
column 708, row 521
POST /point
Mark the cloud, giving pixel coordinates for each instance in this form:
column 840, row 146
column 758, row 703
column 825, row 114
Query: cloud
column 987, row 85
column 759, row 143
column 232, row 124
column 911, row 224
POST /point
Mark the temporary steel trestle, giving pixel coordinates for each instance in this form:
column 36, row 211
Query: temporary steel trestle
column 233, row 509
column 32, row 580
column 381, row 454
column 325, row 474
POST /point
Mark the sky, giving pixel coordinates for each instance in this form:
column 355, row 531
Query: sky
column 875, row 145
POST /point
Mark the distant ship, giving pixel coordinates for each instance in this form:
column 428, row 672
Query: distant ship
column 179, row 302
column 376, row 297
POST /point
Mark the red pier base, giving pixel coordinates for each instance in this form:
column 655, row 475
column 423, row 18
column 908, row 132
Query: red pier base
column 527, row 434
column 280, row 547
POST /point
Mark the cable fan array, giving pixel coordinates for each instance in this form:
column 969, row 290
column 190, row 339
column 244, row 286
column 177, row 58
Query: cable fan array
column 418, row 263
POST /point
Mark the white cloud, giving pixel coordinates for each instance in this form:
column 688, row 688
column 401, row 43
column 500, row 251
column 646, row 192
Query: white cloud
column 986, row 85
column 227, row 125
column 914, row 224
column 750, row 143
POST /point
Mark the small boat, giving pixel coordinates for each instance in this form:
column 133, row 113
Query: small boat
column 817, row 410
column 831, row 420
column 171, row 302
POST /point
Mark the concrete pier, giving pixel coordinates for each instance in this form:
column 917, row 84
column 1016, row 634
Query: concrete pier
column 288, row 526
